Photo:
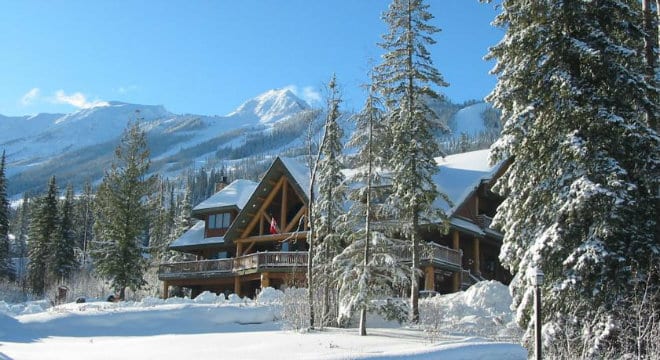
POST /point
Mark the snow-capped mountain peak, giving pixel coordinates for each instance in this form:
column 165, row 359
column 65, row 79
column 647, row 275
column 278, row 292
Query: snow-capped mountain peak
column 271, row 106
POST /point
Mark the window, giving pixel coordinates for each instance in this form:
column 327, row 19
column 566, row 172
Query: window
column 219, row 221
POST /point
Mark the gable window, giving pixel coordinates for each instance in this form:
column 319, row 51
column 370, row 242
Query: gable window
column 219, row 221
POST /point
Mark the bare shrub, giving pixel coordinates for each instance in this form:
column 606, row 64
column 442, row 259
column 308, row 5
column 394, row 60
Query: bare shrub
column 295, row 309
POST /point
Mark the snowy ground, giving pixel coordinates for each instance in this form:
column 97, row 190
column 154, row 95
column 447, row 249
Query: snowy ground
column 210, row 327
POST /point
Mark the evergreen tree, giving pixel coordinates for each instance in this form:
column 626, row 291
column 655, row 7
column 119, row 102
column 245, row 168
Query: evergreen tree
column 582, row 189
column 121, row 214
column 330, row 200
column 185, row 220
column 158, row 236
column 6, row 268
column 405, row 79
column 21, row 230
column 368, row 266
column 64, row 242
column 43, row 230
column 84, row 229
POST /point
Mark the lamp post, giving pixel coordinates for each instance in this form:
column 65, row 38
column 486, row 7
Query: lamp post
column 537, row 280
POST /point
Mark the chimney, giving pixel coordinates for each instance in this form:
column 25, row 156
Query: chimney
column 221, row 185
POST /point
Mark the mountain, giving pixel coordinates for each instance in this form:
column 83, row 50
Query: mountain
column 77, row 147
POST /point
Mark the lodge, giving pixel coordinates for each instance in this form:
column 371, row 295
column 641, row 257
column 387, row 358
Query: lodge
column 253, row 235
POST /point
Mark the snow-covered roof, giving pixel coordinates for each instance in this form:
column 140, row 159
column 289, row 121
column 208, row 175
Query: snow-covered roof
column 460, row 175
column 299, row 171
column 195, row 237
column 466, row 225
column 235, row 194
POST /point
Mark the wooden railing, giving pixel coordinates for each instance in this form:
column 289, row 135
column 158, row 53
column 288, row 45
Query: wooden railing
column 484, row 221
column 442, row 253
column 437, row 254
column 219, row 267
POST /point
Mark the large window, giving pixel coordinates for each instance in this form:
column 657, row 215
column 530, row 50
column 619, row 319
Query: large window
column 219, row 221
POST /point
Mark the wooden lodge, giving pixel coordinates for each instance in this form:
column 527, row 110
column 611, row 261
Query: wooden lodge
column 253, row 235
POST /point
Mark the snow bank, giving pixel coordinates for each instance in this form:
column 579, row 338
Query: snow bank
column 482, row 310
column 270, row 296
column 30, row 307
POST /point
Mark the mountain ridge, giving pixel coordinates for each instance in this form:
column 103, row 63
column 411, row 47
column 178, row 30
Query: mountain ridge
column 76, row 147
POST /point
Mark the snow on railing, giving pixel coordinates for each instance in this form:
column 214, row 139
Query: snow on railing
column 435, row 253
column 442, row 253
column 484, row 221
column 232, row 265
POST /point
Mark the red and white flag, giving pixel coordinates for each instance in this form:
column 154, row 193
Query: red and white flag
column 273, row 226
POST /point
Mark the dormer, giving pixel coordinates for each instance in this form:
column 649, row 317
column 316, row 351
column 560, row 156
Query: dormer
column 220, row 210
column 206, row 238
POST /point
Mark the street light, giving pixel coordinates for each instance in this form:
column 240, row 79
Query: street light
column 537, row 276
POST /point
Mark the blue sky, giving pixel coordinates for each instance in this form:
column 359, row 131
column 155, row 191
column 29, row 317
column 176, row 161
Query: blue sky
column 208, row 56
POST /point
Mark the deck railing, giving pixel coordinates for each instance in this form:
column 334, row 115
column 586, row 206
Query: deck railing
column 261, row 260
column 442, row 253
column 437, row 254
column 484, row 221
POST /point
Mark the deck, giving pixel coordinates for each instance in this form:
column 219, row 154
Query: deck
column 433, row 254
column 437, row 255
column 251, row 263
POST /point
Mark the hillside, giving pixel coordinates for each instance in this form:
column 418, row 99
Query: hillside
column 77, row 147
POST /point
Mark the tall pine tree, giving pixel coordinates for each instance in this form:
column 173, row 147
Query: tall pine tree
column 328, row 205
column 6, row 268
column 406, row 78
column 582, row 190
column 64, row 242
column 84, row 219
column 122, row 214
column 43, row 231
column 368, row 266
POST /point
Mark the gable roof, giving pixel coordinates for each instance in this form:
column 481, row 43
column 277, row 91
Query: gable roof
column 460, row 175
column 232, row 196
column 299, row 179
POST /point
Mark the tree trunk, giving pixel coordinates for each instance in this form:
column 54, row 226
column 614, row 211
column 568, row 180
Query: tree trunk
column 414, row 288
column 363, row 321
column 651, row 44
column 122, row 293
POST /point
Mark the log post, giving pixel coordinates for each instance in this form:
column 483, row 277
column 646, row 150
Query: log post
column 456, row 285
column 429, row 278
column 284, row 205
column 476, row 267
column 166, row 288
column 237, row 286
column 265, row 280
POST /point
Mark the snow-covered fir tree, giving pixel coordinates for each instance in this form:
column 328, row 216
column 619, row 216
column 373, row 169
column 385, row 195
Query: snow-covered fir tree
column 405, row 78
column 43, row 229
column 6, row 268
column 183, row 221
column 64, row 242
column 368, row 266
column 84, row 219
column 328, row 205
column 122, row 214
column 162, row 219
column 582, row 188
column 20, row 229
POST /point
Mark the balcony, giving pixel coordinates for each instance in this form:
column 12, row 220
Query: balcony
column 438, row 255
column 262, row 261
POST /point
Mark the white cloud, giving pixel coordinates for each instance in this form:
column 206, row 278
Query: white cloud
column 77, row 99
column 125, row 89
column 30, row 96
column 307, row 93
column 311, row 95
